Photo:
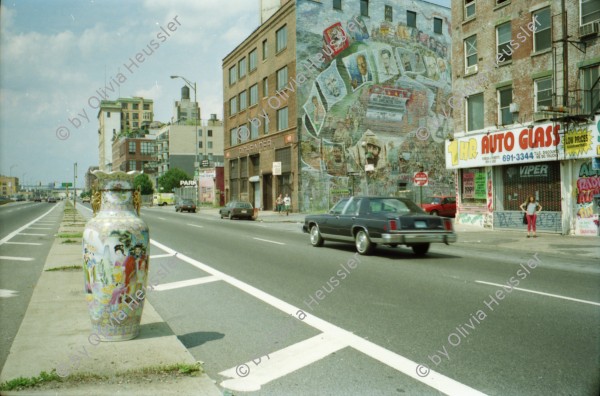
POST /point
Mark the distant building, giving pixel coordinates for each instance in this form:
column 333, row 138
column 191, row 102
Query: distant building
column 526, row 100
column 89, row 178
column 331, row 98
column 135, row 154
column 185, row 109
column 118, row 117
column 8, row 185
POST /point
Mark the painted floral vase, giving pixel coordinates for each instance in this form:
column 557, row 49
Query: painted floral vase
column 115, row 257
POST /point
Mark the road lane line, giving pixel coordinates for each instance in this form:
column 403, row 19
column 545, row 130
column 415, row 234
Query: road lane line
column 161, row 218
column 542, row 293
column 194, row 225
column 39, row 228
column 16, row 232
column 157, row 256
column 30, row 234
column 23, row 243
column 266, row 240
column 185, row 283
column 6, row 293
column 282, row 362
column 406, row 366
column 16, row 258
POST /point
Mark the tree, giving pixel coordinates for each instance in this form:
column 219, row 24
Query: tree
column 171, row 179
column 145, row 184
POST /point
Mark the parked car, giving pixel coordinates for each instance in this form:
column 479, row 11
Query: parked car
column 185, row 205
column 239, row 209
column 37, row 198
column 369, row 221
column 51, row 200
column 86, row 199
column 440, row 206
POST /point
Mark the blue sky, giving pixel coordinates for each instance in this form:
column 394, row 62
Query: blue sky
column 54, row 55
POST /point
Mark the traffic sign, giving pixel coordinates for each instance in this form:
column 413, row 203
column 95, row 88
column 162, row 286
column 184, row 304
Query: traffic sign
column 67, row 184
column 421, row 179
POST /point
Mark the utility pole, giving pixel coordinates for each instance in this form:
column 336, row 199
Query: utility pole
column 74, row 184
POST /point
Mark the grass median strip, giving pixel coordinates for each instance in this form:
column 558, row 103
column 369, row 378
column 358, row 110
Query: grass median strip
column 53, row 380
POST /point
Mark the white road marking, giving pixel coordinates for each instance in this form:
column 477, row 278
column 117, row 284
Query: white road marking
column 39, row 228
column 5, row 293
column 30, row 234
column 16, row 258
column 282, row 362
column 194, row 225
column 156, row 256
column 16, row 232
column 185, row 283
column 161, row 218
column 266, row 240
column 542, row 293
column 23, row 243
column 406, row 366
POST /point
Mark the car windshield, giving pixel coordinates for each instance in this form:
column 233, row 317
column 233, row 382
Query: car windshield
column 244, row 205
column 187, row 202
column 432, row 200
column 393, row 205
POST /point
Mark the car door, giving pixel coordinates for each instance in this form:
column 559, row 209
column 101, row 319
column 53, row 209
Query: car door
column 448, row 206
column 328, row 222
column 343, row 222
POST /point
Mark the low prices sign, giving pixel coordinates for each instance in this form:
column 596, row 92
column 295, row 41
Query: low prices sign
column 421, row 179
column 543, row 142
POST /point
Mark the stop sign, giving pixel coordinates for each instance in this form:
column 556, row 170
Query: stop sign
column 420, row 179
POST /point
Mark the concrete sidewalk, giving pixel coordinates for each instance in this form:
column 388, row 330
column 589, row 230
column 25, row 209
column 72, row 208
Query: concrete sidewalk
column 55, row 334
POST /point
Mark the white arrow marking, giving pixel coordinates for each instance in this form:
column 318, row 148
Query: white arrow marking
column 5, row 293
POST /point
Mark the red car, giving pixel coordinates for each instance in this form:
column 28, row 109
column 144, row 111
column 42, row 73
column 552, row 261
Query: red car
column 440, row 206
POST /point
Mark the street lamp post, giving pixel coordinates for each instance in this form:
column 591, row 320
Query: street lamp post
column 196, row 163
column 74, row 184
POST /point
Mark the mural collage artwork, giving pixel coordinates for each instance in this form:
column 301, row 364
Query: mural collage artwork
column 377, row 103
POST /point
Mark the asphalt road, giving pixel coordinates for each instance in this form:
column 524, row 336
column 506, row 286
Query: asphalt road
column 233, row 293
column 23, row 252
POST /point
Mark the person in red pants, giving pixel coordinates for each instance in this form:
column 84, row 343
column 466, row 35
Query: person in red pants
column 531, row 209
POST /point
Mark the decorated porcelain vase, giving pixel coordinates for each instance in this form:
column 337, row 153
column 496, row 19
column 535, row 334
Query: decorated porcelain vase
column 115, row 258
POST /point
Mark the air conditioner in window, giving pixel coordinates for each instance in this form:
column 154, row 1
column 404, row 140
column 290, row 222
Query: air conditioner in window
column 471, row 69
column 513, row 108
column 589, row 29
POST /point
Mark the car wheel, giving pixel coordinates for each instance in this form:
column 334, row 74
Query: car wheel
column 164, row 204
column 221, row 214
column 230, row 215
column 434, row 213
column 315, row 236
column 363, row 244
column 420, row 249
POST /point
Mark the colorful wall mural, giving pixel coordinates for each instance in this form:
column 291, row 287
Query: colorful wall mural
column 587, row 202
column 373, row 110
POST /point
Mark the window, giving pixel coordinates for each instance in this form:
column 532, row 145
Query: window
column 388, row 13
column 265, row 50
column 131, row 147
column 209, row 145
column 504, row 100
column 136, row 106
column 253, row 130
column 265, row 87
column 209, row 133
column 253, row 94
column 470, row 53
column 542, row 35
column 437, row 25
column 498, row 2
column 242, row 67
column 337, row 5
column 475, row 112
column 233, row 136
column 339, row 207
column 411, row 19
column 589, row 80
column 233, row 105
column 243, row 100
column 542, row 92
column 108, row 114
column 282, row 119
column 199, row 132
column 589, row 11
column 132, row 165
column 200, row 144
column 253, row 59
column 364, row 7
column 282, row 78
column 281, row 39
column 243, row 133
column 469, row 9
column 232, row 74
column 503, row 49
column 266, row 125
column 146, row 106
column 136, row 116
column 147, row 148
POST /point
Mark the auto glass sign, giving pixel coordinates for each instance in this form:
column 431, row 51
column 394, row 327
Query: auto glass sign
column 187, row 183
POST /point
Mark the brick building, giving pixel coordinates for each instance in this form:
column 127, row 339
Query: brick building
column 339, row 97
column 525, row 107
column 135, row 153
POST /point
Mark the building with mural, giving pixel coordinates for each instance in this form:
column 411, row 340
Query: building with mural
column 364, row 86
column 526, row 113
